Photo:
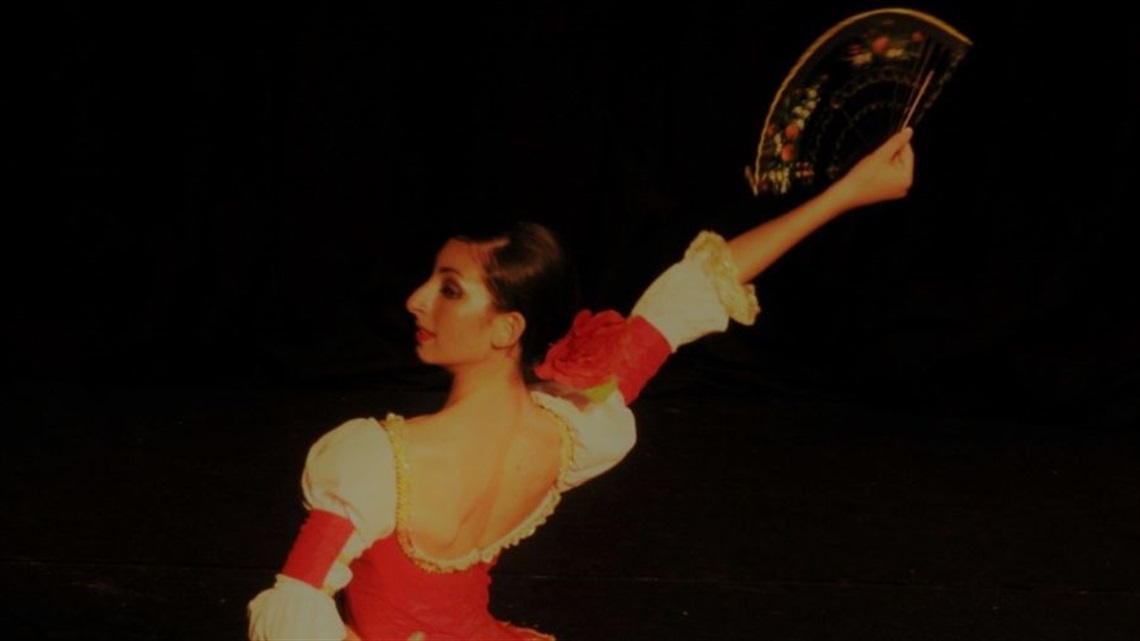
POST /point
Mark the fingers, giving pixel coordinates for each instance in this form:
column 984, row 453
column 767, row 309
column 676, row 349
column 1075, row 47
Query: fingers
column 897, row 143
column 906, row 155
column 905, row 160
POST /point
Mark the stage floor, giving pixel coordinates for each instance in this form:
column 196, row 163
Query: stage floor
column 137, row 512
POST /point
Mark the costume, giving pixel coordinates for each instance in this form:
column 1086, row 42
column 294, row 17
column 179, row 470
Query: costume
column 356, row 476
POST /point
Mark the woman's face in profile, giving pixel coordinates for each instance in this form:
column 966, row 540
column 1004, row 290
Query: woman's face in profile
column 453, row 309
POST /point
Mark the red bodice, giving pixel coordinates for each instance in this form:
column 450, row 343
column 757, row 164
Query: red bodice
column 391, row 597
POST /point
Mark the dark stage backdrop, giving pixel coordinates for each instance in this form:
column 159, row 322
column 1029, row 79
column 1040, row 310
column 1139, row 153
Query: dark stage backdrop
column 247, row 196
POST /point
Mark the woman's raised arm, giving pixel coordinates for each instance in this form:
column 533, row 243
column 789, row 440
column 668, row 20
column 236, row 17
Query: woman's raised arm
column 884, row 174
column 700, row 294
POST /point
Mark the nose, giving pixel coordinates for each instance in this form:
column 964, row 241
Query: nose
column 417, row 302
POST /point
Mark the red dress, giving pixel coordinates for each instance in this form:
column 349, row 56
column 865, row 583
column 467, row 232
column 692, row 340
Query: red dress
column 356, row 477
column 398, row 592
column 391, row 597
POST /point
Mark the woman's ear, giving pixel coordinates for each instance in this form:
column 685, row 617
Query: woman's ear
column 507, row 329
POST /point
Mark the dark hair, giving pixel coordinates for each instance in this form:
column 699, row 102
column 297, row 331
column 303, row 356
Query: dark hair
column 527, row 271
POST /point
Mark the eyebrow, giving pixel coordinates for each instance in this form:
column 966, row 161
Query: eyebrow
column 450, row 270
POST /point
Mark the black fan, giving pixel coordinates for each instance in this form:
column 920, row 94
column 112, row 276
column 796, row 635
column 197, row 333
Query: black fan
column 861, row 81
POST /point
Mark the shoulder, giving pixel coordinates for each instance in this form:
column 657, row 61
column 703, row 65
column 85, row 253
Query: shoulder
column 355, row 438
column 603, row 432
column 574, row 406
column 351, row 469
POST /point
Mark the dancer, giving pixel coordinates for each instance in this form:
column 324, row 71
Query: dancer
column 408, row 515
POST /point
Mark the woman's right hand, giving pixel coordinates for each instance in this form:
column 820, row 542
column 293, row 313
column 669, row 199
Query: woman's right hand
column 884, row 174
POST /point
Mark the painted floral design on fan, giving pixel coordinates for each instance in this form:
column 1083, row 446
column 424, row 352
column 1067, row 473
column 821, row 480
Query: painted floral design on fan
column 892, row 46
column 784, row 137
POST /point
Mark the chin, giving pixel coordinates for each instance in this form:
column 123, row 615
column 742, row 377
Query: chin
column 424, row 355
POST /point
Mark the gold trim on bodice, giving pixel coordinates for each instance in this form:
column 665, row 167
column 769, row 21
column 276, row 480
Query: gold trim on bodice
column 395, row 425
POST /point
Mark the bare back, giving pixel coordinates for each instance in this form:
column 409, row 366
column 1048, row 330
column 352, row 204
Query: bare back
column 471, row 485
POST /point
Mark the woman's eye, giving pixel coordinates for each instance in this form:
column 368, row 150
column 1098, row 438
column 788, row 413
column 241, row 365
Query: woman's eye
column 450, row 291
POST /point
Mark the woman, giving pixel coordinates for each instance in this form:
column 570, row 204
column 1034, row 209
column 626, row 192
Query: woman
column 408, row 515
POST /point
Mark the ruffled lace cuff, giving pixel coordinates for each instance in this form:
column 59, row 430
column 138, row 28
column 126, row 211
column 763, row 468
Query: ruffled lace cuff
column 710, row 250
column 293, row 609
column 698, row 295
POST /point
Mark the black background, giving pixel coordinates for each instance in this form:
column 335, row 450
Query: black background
column 247, row 195
column 930, row 433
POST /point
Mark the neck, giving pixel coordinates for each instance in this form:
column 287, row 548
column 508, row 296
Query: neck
column 489, row 382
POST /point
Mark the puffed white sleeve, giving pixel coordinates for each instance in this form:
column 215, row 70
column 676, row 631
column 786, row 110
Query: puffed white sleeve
column 350, row 491
column 698, row 295
column 601, row 432
column 602, row 364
